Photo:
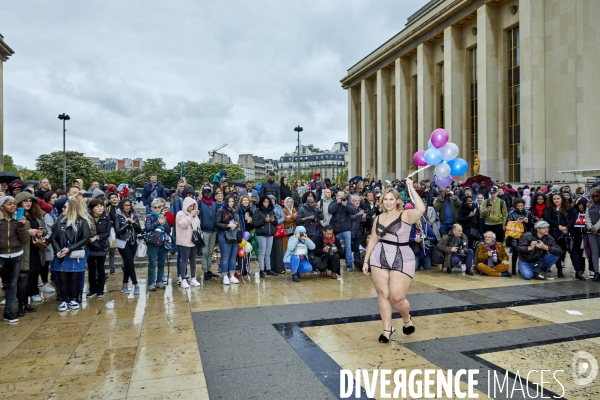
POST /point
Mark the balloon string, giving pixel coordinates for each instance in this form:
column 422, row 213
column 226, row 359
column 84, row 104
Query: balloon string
column 417, row 171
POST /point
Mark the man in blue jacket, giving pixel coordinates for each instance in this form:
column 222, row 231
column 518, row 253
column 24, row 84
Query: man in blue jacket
column 152, row 191
column 208, row 213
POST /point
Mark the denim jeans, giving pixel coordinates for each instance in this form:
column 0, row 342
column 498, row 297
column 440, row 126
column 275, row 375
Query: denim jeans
column 346, row 237
column 228, row 255
column 455, row 261
column 299, row 266
column 423, row 261
column 188, row 254
column 526, row 268
column 10, row 274
column 156, row 254
column 445, row 228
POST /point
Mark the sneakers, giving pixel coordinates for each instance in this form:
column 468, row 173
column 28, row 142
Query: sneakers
column 187, row 277
column 185, row 284
column 100, row 295
column 295, row 277
column 350, row 269
column 549, row 276
column 73, row 305
column 194, row 282
column 136, row 289
column 539, row 276
column 507, row 274
column 36, row 297
column 233, row 279
column 10, row 317
column 125, row 289
column 207, row 276
column 152, row 288
column 112, row 271
column 237, row 276
column 179, row 279
column 225, row 279
column 63, row 306
column 165, row 281
column 271, row 272
column 40, row 284
column 333, row 275
column 90, row 295
column 469, row 271
column 160, row 285
column 47, row 288
column 262, row 274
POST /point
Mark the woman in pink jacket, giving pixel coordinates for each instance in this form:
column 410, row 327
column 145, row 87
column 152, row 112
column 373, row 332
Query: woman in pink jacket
column 187, row 221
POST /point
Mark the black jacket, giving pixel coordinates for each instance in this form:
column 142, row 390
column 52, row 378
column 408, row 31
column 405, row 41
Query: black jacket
column 270, row 188
column 219, row 224
column 261, row 227
column 340, row 216
column 555, row 218
column 309, row 224
column 371, row 211
column 100, row 247
column 125, row 230
column 536, row 254
column 320, row 244
column 65, row 236
column 467, row 222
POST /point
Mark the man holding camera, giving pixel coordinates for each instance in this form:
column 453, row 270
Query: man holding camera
column 455, row 247
column 327, row 251
column 538, row 252
column 447, row 207
column 340, row 211
column 492, row 258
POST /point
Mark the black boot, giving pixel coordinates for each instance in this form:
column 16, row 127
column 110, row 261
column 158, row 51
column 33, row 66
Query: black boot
column 579, row 275
column 596, row 277
column 79, row 297
column 28, row 308
column 21, row 311
column 560, row 272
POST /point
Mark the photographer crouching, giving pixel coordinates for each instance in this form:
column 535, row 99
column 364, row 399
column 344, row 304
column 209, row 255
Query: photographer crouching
column 538, row 252
column 455, row 246
column 296, row 255
column 327, row 253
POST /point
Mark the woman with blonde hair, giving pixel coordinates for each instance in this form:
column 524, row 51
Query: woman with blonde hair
column 70, row 235
column 392, row 259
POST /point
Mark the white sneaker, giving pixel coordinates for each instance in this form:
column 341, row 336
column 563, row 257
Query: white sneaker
column 185, row 284
column 233, row 279
column 63, row 306
column 73, row 305
column 194, row 282
column 36, row 298
column 226, row 280
column 47, row 288
column 179, row 279
column 40, row 284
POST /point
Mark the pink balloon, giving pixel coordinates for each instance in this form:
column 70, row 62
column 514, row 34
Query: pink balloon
column 439, row 138
column 419, row 158
column 408, row 206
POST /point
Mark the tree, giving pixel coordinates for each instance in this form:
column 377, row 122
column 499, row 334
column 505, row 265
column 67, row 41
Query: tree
column 118, row 176
column 137, row 177
column 208, row 171
column 343, row 176
column 24, row 172
column 154, row 166
column 78, row 167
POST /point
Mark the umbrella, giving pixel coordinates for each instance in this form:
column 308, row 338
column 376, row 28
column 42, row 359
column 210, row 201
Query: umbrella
column 487, row 181
column 8, row 177
column 32, row 182
column 356, row 179
column 239, row 182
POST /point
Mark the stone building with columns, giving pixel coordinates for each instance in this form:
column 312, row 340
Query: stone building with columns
column 513, row 81
column 5, row 52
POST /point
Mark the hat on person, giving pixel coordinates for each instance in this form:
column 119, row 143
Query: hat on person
column 541, row 225
column 207, row 189
column 188, row 189
column 494, row 189
column 5, row 199
column 96, row 193
column 271, row 196
column 271, row 173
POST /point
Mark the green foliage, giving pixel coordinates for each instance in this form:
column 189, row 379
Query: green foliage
column 26, row 173
column 137, row 177
column 208, row 171
column 343, row 176
column 117, row 177
column 78, row 167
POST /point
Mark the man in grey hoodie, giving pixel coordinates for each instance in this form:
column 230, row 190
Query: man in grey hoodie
column 324, row 206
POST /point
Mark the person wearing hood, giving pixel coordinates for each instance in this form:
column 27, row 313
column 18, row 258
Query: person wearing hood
column 33, row 256
column 227, row 221
column 296, row 255
column 127, row 227
column 13, row 235
column 187, row 222
column 469, row 219
column 525, row 217
column 277, row 253
column 98, row 245
column 289, row 223
column 308, row 216
column 265, row 221
column 316, row 178
column 78, row 183
column 527, row 198
column 285, row 190
column 323, row 205
column 208, row 218
column 16, row 187
column 270, row 187
column 578, row 229
column 151, row 191
column 491, row 257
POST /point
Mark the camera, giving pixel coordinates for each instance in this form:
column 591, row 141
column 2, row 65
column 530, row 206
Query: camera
column 344, row 199
column 331, row 249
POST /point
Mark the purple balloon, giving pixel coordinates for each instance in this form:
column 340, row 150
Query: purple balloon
column 246, row 236
column 439, row 138
column 419, row 158
column 442, row 182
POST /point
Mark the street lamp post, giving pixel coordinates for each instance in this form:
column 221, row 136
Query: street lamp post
column 64, row 117
column 298, row 129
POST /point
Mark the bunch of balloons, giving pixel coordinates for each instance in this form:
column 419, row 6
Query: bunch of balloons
column 443, row 155
column 245, row 247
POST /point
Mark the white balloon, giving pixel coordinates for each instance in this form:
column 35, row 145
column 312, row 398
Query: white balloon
column 449, row 151
column 248, row 248
column 442, row 170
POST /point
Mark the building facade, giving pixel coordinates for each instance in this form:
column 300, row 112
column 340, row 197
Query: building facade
column 5, row 52
column 113, row 164
column 329, row 162
column 514, row 82
column 219, row 158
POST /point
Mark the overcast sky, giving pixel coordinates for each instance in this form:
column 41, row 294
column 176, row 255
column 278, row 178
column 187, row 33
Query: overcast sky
column 175, row 79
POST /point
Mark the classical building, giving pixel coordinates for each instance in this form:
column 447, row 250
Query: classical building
column 329, row 162
column 514, row 81
column 5, row 52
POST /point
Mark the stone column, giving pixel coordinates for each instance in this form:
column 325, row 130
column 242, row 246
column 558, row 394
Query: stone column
column 425, row 93
column 354, row 137
column 367, row 123
column 491, row 138
column 382, row 124
column 456, row 111
column 1, row 114
column 402, row 82
column 533, row 108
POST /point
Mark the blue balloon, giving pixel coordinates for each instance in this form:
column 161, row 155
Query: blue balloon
column 433, row 156
column 458, row 166
column 430, row 145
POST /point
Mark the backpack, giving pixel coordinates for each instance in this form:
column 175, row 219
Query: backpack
column 437, row 256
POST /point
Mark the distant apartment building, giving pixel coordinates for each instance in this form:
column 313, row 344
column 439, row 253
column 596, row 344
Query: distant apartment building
column 219, row 158
column 113, row 164
column 329, row 162
column 258, row 167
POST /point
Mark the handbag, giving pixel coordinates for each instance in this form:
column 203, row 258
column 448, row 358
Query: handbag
column 474, row 233
column 514, row 229
column 279, row 232
column 142, row 248
column 77, row 254
column 39, row 243
column 156, row 238
column 120, row 243
column 437, row 256
column 197, row 238
column 231, row 235
column 289, row 231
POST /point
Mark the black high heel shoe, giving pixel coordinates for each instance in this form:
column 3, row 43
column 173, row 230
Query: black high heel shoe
column 579, row 275
column 407, row 330
column 383, row 339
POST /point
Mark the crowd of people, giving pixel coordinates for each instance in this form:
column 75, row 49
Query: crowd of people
column 290, row 225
